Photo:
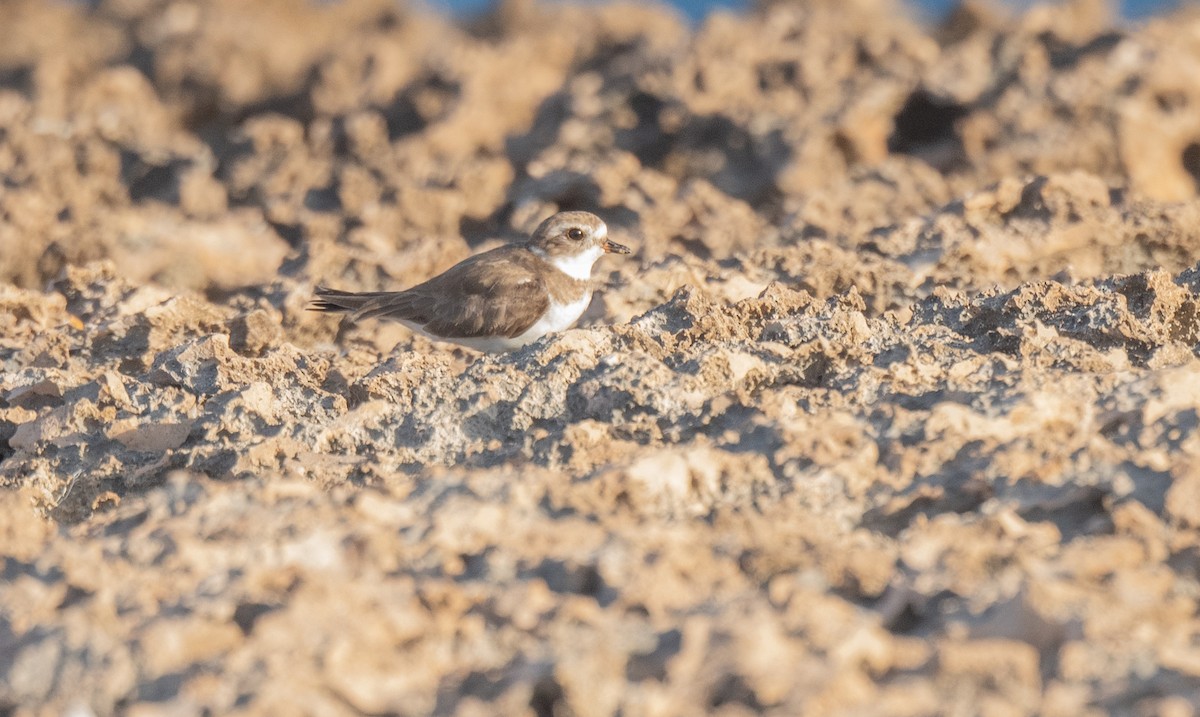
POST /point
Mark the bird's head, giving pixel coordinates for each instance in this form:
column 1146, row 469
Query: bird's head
column 573, row 241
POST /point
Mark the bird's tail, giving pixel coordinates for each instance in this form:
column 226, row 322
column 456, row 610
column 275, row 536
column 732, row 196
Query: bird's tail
column 395, row 305
column 339, row 302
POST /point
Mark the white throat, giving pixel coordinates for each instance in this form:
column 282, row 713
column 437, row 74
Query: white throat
column 580, row 265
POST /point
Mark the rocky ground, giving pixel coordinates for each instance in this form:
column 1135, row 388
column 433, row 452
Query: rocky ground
column 892, row 412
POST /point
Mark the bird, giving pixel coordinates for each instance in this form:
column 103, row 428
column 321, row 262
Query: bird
column 499, row 300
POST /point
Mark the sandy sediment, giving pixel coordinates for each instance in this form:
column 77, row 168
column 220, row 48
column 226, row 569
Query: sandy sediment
column 892, row 412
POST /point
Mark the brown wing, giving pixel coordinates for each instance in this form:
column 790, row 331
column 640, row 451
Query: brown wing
column 494, row 293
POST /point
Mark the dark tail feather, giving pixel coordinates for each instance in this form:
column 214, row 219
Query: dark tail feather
column 336, row 301
column 397, row 305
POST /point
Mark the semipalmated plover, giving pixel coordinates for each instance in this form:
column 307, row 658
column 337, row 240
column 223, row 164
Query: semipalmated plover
column 501, row 299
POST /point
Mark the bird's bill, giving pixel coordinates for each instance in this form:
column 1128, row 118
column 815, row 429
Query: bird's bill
column 611, row 247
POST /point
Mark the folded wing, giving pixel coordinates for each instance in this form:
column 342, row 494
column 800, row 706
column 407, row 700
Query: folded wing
column 500, row 296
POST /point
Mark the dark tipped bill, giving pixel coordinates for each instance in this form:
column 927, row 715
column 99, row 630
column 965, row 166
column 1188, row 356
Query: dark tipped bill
column 611, row 247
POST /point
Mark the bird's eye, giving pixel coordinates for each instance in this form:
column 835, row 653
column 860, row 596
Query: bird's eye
column 575, row 234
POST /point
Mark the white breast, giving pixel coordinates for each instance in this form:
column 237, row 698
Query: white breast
column 558, row 317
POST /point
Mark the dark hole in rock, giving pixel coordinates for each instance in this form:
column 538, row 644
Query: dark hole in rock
column 247, row 613
column 146, row 179
column 925, row 125
column 322, row 199
column 733, row 689
column 547, row 699
column 19, row 78
column 290, row 233
column 565, row 578
column 422, row 102
column 161, row 689
column 1191, row 162
column 481, row 685
column 653, row 664
column 1064, row 55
